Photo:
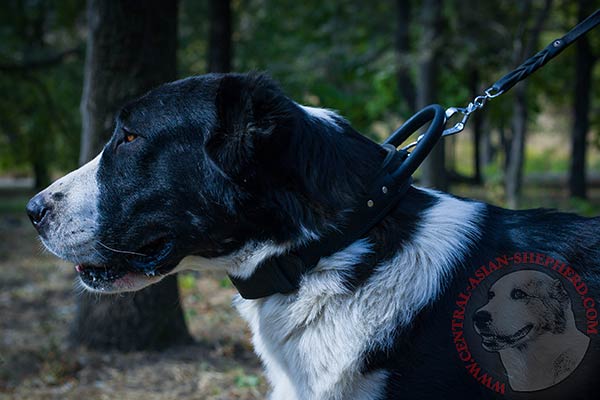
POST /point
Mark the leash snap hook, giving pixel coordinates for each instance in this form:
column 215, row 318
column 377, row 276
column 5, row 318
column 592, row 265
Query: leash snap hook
column 460, row 125
column 477, row 103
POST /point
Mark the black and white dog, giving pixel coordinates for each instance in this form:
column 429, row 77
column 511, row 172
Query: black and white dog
column 227, row 169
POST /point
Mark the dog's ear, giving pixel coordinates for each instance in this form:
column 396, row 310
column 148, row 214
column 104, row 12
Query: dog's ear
column 254, row 120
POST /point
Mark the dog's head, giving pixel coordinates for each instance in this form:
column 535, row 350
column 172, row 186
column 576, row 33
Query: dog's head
column 200, row 166
column 521, row 307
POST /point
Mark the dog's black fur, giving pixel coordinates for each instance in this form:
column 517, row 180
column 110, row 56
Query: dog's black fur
column 261, row 171
column 424, row 359
column 221, row 160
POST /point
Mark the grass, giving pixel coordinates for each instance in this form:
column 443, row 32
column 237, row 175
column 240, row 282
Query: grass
column 545, row 172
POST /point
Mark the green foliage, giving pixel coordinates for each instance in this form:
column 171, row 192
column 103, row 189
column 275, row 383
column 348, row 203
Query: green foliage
column 225, row 283
column 39, row 116
column 193, row 37
column 187, row 281
column 543, row 162
column 584, row 207
column 338, row 54
column 243, row 380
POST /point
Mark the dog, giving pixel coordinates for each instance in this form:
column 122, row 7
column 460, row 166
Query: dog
column 529, row 321
column 227, row 170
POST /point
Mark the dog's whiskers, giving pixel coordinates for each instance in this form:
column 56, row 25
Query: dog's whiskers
column 100, row 255
column 121, row 251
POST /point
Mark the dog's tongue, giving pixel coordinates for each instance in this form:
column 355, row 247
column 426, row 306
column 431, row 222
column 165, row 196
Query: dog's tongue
column 87, row 267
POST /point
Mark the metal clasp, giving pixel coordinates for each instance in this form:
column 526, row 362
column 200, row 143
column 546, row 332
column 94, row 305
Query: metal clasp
column 490, row 95
column 459, row 126
column 477, row 103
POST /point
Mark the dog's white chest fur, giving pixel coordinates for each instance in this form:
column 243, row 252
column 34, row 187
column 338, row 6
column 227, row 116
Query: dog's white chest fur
column 309, row 360
column 313, row 343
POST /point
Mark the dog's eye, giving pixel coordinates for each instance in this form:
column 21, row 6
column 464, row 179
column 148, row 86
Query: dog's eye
column 491, row 295
column 518, row 294
column 130, row 137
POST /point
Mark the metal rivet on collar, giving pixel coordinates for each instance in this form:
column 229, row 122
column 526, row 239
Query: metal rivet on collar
column 384, row 189
column 370, row 203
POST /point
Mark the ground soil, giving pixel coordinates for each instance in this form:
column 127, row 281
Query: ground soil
column 37, row 304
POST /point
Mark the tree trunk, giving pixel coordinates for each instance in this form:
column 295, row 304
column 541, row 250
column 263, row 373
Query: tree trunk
column 525, row 44
column 39, row 141
column 433, row 168
column 477, row 128
column 486, row 148
column 514, row 167
column 131, row 48
column 405, row 82
column 40, row 173
column 219, row 45
column 584, row 65
column 150, row 319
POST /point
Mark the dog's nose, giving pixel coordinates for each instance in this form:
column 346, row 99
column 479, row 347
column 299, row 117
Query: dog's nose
column 482, row 318
column 38, row 209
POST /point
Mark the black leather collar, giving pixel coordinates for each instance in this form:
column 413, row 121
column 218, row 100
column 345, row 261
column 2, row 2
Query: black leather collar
column 283, row 273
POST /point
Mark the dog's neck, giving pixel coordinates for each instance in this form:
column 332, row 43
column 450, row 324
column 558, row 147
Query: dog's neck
column 301, row 337
column 336, row 164
column 409, row 211
column 418, row 205
column 333, row 165
column 339, row 168
column 312, row 338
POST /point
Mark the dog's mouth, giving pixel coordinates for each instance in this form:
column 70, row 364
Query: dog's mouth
column 152, row 260
column 494, row 342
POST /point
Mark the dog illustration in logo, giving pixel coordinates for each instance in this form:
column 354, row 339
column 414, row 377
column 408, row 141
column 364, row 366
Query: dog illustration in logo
column 529, row 321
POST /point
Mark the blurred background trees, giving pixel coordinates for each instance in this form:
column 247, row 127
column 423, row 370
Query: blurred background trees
column 219, row 38
column 585, row 59
column 41, row 55
column 376, row 62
